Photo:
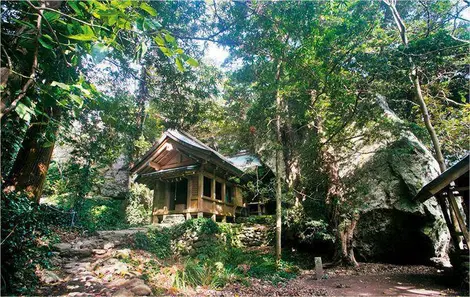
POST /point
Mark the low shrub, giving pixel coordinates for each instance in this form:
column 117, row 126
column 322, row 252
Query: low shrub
column 199, row 226
column 25, row 241
column 304, row 229
column 157, row 242
column 218, row 260
column 190, row 275
column 138, row 210
column 101, row 214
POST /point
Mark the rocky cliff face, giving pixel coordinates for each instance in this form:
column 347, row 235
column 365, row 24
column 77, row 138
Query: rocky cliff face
column 115, row 177
column 384, row 176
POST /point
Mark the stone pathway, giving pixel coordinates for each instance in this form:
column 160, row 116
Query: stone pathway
column 95, row 266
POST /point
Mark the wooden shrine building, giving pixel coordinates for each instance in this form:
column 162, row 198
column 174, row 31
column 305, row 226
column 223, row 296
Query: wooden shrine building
column 190, row 178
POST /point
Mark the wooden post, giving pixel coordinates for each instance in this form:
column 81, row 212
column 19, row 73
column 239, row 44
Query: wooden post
column 200, row 215
column 455, row 208
column 199, row 191
column 223, row 193
column 318, row 268
column 213, row 217
column 156, row 192
column 213, row 194
column 188, row 216
column 224, row 219
column 453, row 233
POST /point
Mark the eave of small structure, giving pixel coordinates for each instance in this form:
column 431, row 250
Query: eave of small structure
column 204, row 152
column 167, row 174
column 443, row 180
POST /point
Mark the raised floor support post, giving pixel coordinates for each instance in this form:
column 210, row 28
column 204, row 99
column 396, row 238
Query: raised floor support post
column 200, row 215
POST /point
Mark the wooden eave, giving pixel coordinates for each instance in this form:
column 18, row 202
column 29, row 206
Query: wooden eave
column 157, row 153
column 443, row 181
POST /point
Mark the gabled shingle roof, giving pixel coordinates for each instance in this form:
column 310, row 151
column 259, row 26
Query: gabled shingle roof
column 189, row 141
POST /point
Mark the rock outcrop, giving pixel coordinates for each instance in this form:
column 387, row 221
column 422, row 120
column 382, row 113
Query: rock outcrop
column 383, row 176
column 115, row 177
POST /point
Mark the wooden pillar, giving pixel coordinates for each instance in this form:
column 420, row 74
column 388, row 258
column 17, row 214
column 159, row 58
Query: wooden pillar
column 200, row 215
column 259, row 209
column 223, row 192
column 453, row 233
column 199, row 191
column 156, row 192
column 454, row 207
column 213, row 194
column 188, row 216
column 213, row 217
column 224, row 219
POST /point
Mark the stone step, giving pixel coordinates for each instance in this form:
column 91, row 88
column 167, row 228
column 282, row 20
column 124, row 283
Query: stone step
column 173, row 219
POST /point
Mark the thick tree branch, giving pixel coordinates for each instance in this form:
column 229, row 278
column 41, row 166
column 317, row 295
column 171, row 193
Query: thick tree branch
column 414, row 77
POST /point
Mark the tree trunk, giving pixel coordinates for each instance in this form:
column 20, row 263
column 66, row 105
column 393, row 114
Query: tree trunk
column 344, row 228
column 414, row 76
column 278, row 166
column 344, row 250
column 141, row 99
column 290, row 141
column 32, row 162
column 342, row 220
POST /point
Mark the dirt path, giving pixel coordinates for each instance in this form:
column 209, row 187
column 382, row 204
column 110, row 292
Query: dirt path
column 103, row 265
column 367, row 280
column 387, row 280
column 94, row 266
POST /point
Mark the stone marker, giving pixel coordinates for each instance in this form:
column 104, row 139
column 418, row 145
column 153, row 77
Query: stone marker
column 318, row 268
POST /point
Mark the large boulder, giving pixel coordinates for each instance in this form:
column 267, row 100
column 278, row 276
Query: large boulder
column 116, row 179
column 382, row 177
column 115, row 176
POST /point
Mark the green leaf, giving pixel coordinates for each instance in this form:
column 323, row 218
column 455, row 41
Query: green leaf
column 75, row 7
column 76, row 99
column 166, row 51
column 60, row 85
column 51, row 16
column 24, row 111
column 159, row 40
column 44, row 43
column 192, row 62
column 82, row 37
column 144, row 49
column 149, row 9
column 99, row 52
column 170, row 38
column 82, row 89
column 30, row 25
column 179, row 64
